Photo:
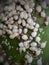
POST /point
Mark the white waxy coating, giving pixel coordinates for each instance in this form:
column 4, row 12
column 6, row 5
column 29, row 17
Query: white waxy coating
column 29, row 10
column 25, row 30
column 20, row 49
column 19, row 8
column 20, row 30
column 29, row 20
column 12, row 36
column 23, row 23
column 32, row 4
column 14, row 26
column 1, row 25
column 31, row 38
column 39, row 61
column 11, row 22
column 9, row 26
column 26, row 44
column 22, row 2
column 24, row 49
column 26, row 6
column 38, row 51
column 21, row 44
column 33, row 44
column 33, row 48
column 38, row 8
column 31, row 27
column 26, row 56
column 4, row 18
column 25, row 15
column 37, row 39
column 33, row 23
column 27, row 25
column 15, row 30
column 30, row 59
column 22, row 15
column 19, row 21
column 43, row 14
column 24, row 37
column 11, row 19
column 29, row 15
column 37, row 26
column 35, row 29
column 34, row 34
column 43, row 45
column 40, row 29
column 15, row 17
column 44, row 4
column 10, row 14
column 46, row 22
column 9, row 31
column 14, row 12
column 47, row 18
